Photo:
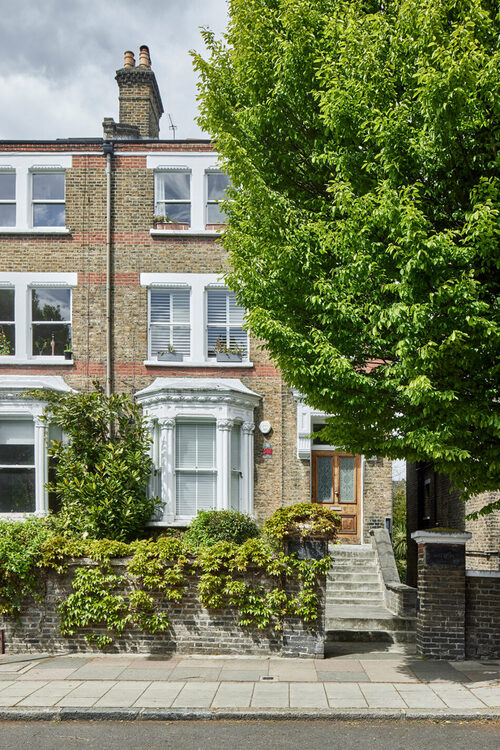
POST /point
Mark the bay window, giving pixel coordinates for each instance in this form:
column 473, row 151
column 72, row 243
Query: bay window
column 24, row 440
column 202, row 430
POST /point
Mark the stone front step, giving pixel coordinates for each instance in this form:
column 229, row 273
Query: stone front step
column 342, row 601
column 369, row 636
column 354, row 586
column 341, row 579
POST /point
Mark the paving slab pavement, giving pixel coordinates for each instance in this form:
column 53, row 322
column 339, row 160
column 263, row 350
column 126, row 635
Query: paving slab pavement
column 133, row 686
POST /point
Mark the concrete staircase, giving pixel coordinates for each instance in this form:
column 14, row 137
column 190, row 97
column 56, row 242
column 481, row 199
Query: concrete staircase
column 355, row 603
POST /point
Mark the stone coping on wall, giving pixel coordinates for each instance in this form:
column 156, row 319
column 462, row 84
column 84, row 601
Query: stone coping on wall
column 441, row 537
column 482, row 573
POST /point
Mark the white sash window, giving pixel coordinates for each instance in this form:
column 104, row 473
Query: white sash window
column 225, row 322
column 169, row 321
column 195, row 468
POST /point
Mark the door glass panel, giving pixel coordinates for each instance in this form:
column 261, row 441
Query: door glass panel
column 324, row 477
column 347, row 494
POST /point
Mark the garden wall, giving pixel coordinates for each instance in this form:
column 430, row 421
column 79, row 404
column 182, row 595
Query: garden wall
column 482, row 615
column 193, row 629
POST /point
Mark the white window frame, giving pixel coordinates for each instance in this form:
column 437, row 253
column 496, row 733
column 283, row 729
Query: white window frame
column 14, row 406
column 160, row 210
column 211, row 202
column 225, row 401
column 198, row 164
column 25, row 165
column 23, row 283
column 199, row 283
column 152, row 288
column 38, row 170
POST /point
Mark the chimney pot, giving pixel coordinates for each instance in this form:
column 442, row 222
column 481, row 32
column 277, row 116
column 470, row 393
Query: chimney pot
column 129, row 60
column 144, row 58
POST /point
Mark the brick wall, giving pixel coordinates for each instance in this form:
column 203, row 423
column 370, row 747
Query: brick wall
column 482, row 619
column 193, row 629
column 377, row 491
column 441, row 602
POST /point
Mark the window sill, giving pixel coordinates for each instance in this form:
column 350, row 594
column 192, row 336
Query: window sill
column 221, row 365
column 54, row 361
column 185, row 233
column 35, row 230
column 178, row 523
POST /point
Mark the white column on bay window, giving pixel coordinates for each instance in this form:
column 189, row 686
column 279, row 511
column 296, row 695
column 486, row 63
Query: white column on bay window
column 247, row 429
column 224, row 427
column 167, row 458
column 41, row 465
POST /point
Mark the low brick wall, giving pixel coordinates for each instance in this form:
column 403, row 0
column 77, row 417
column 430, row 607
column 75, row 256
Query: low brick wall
column 193, row 629
column 482, row 615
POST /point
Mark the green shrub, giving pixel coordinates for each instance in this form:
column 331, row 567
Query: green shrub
column 211, row 526
column 102, row 471
column 302, row 519
column 21, row 543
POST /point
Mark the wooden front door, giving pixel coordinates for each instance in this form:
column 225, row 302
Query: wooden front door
column 336, row 483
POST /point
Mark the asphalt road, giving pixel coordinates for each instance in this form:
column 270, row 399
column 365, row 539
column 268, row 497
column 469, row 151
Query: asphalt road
column 249, row 735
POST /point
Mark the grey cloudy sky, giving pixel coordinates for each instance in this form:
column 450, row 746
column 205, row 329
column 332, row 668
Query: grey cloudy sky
column 59, row 57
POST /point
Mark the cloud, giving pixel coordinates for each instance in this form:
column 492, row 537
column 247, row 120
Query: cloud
column 61, row 57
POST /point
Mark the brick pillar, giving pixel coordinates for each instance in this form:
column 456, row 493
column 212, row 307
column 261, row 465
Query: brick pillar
column 441, row 594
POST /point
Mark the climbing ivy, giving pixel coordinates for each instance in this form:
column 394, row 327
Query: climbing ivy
column 257, row 579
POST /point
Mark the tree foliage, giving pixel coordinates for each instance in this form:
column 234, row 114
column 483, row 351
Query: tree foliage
column 102, row 467
column 361, row 139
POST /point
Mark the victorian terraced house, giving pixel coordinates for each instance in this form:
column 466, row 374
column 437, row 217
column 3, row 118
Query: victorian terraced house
column 91, row 287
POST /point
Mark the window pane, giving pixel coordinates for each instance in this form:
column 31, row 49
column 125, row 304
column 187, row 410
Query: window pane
column 185, row 491
column 236, row 312
column 214, row 335
column 51, row 304
column 50, row 339
column 206, row 485
column 236, row 448
column 324, row 476
column 216, row 306
column 17, row 490
column 176, row 211
column 347, row 494
column 49, row 215
column 206, row 446
column 173, row 186
column 7, row 214
column 235, row 491
column 215, row 214
column 217, row 184
column 181, row 339
column 17, row 455
column 17, row 432
column 238, row 339
column 160, row 306
column 7, row 339
column 186, row 445
column 48, row 186
column 6, row 304
column 7, row 186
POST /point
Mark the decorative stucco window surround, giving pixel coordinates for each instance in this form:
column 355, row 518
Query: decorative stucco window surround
column 22, row 284
column 198, row 284
column 306, row 417
column 25, row 166
column 15, row 408
column 197, row 165
column 225, row 402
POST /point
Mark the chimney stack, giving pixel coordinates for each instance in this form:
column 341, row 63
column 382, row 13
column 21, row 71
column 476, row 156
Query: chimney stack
column 140, row 101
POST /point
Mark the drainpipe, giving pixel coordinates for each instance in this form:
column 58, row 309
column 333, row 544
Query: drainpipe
column 107, row 148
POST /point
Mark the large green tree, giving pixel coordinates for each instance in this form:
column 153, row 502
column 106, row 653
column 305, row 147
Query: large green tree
column 361, row 139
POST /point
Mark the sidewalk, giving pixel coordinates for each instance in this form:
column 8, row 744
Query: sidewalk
column 370, row 684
